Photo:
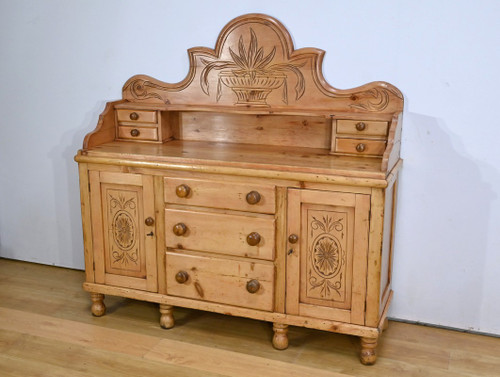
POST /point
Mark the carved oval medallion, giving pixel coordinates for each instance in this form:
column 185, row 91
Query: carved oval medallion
column 326, row 256
column 124, row 230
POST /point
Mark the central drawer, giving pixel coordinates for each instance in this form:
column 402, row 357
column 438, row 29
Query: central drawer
column 222, row 233
column 247, row 197
column 240, row 283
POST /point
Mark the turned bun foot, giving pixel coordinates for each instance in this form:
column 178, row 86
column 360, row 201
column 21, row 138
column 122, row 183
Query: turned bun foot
column 280, row 337
column 368, row 354
column 167, row 317
column 98, row 308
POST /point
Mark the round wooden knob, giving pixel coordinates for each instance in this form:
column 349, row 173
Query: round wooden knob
column 253, row 239
column 134, row 116
column 360, row 126
column 253, row 286
column 253, row 197
column 360, row 147
column 149, row 221
column 181, row 277
column 135, row 132
column 179, row 229
column 293, row 238
column 182, row 191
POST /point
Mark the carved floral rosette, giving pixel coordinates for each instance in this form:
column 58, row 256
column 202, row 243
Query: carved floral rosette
column 123, row 228
column 326, row 256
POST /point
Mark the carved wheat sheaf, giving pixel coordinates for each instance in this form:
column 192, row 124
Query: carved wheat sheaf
column 250, row 75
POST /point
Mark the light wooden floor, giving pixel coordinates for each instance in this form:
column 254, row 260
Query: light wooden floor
column 46, row 329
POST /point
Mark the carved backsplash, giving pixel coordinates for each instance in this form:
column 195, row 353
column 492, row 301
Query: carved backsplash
column 254, row 64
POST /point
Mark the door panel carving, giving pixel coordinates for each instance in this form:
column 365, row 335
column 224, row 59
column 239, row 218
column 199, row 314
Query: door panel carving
column 325, row 275
column 327, row 260
column 124, row 245
column 124, row 242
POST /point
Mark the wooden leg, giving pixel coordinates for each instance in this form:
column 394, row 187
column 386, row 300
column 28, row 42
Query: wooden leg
column 385, row 326
column 98, row 308
column 280, row 338
column 368, row 354
column 167, row 317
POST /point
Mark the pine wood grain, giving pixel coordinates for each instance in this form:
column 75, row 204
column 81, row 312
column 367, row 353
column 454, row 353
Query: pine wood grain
column 218, row 280
column 46, row 330
column 220, row 194
column 205, row 230
column 255, row 65
column 291, row 131
column 306, row 160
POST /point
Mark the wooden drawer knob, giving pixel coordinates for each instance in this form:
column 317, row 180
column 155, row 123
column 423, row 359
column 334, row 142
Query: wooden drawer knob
column 179, row 229
column 181, row 277
column 182, row 191
column 360, row 126
column 253, row 197
column 135, row 132
column 293, row 238
column 360, row 147
column 149, row 221
column 134, row 116
column 253, row 286
column 253, row 239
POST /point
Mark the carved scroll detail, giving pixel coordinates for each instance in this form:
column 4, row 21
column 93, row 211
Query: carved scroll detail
column 144, row 89
column 379, row 102
column 251, row 76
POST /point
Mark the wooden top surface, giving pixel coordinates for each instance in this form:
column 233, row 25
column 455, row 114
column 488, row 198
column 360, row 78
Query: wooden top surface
column 254, row 69
column 303, row 160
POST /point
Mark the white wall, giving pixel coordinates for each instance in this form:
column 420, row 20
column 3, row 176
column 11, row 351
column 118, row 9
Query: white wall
column 61, row 60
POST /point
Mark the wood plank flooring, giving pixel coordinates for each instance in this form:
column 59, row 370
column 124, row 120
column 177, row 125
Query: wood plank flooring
column 46, row 329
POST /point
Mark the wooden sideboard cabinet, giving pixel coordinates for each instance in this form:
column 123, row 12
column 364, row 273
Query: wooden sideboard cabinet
column 251, row 188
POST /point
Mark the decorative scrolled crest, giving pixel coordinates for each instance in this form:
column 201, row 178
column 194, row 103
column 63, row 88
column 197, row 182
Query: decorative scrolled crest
column 254, row 64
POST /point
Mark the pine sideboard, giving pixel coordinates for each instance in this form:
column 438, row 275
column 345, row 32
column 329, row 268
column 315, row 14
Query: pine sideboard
column 251, row 188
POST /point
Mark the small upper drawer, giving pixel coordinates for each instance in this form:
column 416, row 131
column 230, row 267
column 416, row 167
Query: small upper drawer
column 220, row 194
column 360, row 146
column 238, row 235
column 139, row 116
column 138, row 133
column 362, row 127
column 240, row 283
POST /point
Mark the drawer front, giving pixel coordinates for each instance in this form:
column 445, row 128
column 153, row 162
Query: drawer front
column 220, row 233
column 138, row 133
column 220, row 194
column 139, row 116
column 221, row 280
column 362, row 127
column 360, row 146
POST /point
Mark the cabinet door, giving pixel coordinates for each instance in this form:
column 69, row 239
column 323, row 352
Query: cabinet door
column 326, row 267
column 123, row 229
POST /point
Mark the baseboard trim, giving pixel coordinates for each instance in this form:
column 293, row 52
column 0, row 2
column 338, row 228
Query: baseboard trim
column 444, row 327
